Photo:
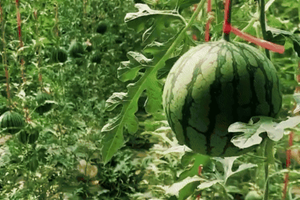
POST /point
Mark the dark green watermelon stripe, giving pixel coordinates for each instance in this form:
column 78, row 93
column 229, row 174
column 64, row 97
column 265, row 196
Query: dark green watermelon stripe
column 186, row 112
column 235, row 96
column 214, row 92
column 173, row 75
column 268, row 84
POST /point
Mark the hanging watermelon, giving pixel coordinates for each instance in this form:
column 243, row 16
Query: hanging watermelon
column 27, row 137
column 96, row 57
column 12, row 121
column 76, row 49
column 214, row 85
column 101, row 28
column 43, row 106
column 60, row 55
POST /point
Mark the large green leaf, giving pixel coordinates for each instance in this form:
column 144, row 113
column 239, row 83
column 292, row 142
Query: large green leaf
column 129, row 69
column 251, row 130
column 113, row 130
column 142, row 18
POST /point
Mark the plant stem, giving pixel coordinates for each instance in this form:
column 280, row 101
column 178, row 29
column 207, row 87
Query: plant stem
column 4, row 60
column 269, row 144
column 217, row 12
column 20, row 39
column 227, row 19
column 56, row 20
column 263, row 24
column 169, row 52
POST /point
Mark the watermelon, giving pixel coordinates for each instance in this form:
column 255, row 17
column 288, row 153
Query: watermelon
column 12, row 121
column 76, row 49
column 96, row 57
column 214, row 85
column 101, row 28
column 60, row 55
column 43, row 106
column 26, row 137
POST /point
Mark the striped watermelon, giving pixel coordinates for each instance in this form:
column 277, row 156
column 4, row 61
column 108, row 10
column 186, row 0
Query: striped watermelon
column 76, row 50
column 12, row 121
column 43, row 106
column 214, row 85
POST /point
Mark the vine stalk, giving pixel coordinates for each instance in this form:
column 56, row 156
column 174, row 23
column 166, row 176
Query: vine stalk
column 4, row 58
column 227, row 20
column 269, row 155
column 20, row 39
column 171, row 49
column 263, row 23
column 269, row 143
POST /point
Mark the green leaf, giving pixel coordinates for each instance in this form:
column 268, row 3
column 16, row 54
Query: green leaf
column 297, row 99
column 175, row 189
column 278, row 36
column 296, row 42
column 208, row 184
column 113, row 101
column 252, row 130
column 186, row 3
column 227, row 164
column 112, row 142
column 129, row 69
column 290, row 123
column 113, row 131
column 163, row 72
column 161, row 19
column 198, row 160
column 154, row 93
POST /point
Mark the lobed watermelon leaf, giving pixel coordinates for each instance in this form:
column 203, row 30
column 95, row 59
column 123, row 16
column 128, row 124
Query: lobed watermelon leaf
column 129, row 70
column 227, row 164
column 297, row 99
column 184, row 188
column 278, row 36
column 139, row 21
column 251, row 131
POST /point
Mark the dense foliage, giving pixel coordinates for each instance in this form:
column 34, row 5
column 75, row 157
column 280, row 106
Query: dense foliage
column 87, row 77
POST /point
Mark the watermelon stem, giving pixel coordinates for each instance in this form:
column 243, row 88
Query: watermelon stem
column 20, row 39
column 263, row 23
column 207, row 38
column 269, row 146
column 179, row 38
column 4, row 59
column 227, row 20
